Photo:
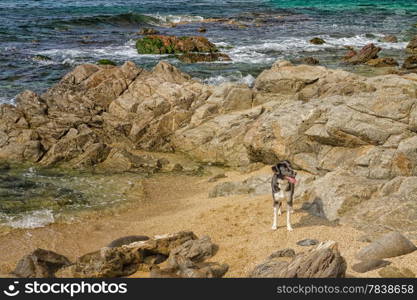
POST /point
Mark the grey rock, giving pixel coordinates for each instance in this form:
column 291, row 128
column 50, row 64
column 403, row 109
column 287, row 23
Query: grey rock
column 126, row 240
column 192, row 250
column 389, row 245
column 40, row 264
column 369, row 265
column 287, row 252
column 307, row 242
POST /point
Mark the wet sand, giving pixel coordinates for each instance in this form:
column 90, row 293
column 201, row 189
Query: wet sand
column 240, row 225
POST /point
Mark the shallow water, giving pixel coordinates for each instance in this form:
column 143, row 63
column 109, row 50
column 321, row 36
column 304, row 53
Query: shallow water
column 75, row 32
column 33, row 197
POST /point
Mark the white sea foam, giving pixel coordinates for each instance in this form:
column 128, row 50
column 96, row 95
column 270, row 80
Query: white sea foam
column 36, row 219
column 5, row 100
column 238, row 78
column 362, row 40
column 176, row 18
column 266, row 51
column 75, row 56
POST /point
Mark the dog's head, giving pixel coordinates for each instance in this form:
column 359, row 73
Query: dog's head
column 285, row 170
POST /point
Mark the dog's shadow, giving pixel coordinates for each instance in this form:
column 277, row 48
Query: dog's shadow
column 308, row 220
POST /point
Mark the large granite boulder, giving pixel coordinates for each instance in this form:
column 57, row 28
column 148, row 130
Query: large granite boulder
column 389, row 245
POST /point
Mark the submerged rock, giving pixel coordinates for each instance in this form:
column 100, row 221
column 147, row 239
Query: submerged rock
column 317, row 41
column 148, row 31
column 310, row 60
column 382, row 62
column 389, row 39
column 412, row 46
column 39, row 57
column 202, row 57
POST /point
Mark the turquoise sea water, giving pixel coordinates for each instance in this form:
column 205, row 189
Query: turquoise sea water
column 75, row 32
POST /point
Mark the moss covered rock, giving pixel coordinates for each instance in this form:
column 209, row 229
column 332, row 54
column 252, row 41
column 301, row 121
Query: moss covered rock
column 40, row 57
column 106, row 62
column 162, row 44
column 317, row 41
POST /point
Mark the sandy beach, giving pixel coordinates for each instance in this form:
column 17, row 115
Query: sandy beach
column 240, row 225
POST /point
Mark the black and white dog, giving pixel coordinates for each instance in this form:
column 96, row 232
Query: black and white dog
column 282, row 184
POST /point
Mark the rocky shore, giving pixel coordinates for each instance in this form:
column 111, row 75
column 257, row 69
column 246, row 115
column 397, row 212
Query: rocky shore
column 353, row 139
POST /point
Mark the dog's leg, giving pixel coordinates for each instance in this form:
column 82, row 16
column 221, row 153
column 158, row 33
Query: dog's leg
column 277, row 210
column 289, row 209
column 289, row 227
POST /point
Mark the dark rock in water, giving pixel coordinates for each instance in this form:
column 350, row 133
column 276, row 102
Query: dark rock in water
column 412, row 46
column 164, row 44
column 394, row 272
column 148, row 31
column 40, row 264
column 40, row 57
column 410, row 63
column 310, row 60
column 191, row 58
column 382, row 62
column 106, row 62
column 367, row 53
column 389, row 39
column 202, row 29
column 4, row 166
column 287, row 252
column 307, row 242
column 317, row 41
column 369, row 265
column 389, row 245
column 126, row 240
column 324, row 261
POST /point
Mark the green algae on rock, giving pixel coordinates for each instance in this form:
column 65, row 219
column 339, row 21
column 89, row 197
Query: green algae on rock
column 106, row 62
column 162, row 44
